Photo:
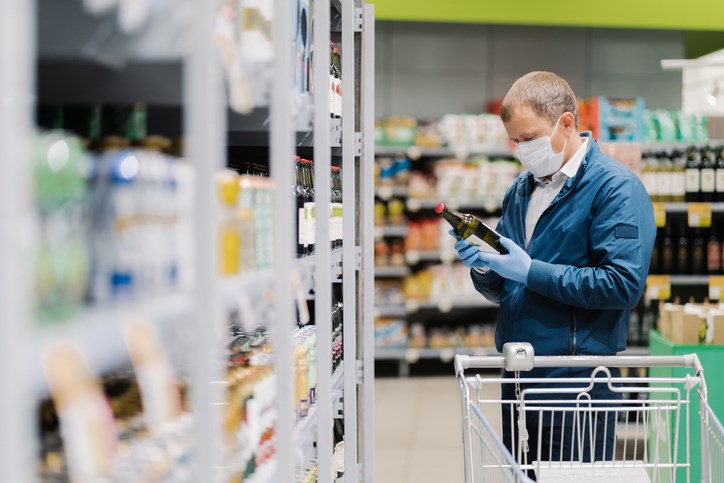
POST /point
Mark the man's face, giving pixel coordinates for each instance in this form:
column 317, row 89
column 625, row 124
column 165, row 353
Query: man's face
column 526, row 125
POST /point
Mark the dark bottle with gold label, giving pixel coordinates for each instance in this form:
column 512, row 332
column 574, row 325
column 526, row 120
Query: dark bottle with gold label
column 466, row 225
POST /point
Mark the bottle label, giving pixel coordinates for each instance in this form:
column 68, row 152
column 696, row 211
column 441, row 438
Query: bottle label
column 678, row 184
column 650, row 182
column 311, row 222
column 720, row 180
column 692, row 180
column 708, row 181
column 302, row 228
column 713, row 256
column 663, row 183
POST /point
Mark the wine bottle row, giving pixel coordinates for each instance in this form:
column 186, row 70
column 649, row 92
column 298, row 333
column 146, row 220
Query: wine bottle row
column 306, row 219
column 692, row 175
column 682, row 250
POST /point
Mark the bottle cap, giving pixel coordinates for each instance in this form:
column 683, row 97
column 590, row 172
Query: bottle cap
column 439, row 208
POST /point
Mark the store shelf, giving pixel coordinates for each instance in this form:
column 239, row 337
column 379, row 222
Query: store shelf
column 396, row 311
column 99, row 331
column 338, row 377
column 684, row 207
column 416, row 256
column 446, row 306
column 412, row 355
column 390, row 231
column 671, row 145
column 416, row 204
column 689, row 280
column 414, row 152
column 387, row 192
column 635, row 351
column 391, row 272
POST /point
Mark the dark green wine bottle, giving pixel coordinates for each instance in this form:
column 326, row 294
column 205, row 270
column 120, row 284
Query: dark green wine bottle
column 466, row 225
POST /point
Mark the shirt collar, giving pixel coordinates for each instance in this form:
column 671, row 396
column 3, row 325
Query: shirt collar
column 569, row 169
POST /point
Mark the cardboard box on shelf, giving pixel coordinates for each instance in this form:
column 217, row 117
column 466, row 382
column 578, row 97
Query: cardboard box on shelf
column 684, row 327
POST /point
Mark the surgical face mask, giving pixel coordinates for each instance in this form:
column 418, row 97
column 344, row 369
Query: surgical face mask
column 537, row 156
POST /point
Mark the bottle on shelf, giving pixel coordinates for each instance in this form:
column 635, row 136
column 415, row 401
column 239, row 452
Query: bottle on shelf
column 336, row 227
column 720, row 174
column 337, row 60
column 466, row 225
column 678, row 177
column 682, row 252
column 300, row 196
column 693, row 175
column 309, row 205
column 708, row 175
column 667, row 251
column 714, row 251
column 649, row 176
column 698, row 253
column 664, row 177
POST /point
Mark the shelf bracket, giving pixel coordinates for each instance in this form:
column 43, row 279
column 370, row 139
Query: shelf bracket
column 358, row 258
column 359, row 22
column 338, row 404
column 360, row 372
column 358, row 144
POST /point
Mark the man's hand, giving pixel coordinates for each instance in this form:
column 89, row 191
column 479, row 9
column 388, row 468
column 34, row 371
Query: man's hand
column 514, row 265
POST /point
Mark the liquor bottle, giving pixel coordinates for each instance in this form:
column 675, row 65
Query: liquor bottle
column 655, row 267
column 678, row 177
column 693, row 175
column 720, row 174
column 664, row 177
column 332, row 92
column 682, row 252
column 698, row 253
column 713, row 251
column 309, row 205
column 466, row 225
column 300, row 197
column 667, row 252
column 708, row 175
column 338, row 81
column 336, row 212
column 649, row 175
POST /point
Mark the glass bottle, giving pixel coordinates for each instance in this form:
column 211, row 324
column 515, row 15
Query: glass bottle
column 466, row 225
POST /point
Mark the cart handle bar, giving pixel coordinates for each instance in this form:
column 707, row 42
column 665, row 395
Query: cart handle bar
column 691, row 361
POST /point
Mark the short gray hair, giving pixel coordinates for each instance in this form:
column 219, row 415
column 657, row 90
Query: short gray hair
column 547, row 94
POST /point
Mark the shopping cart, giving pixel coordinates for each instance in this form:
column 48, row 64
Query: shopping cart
column 651, row 440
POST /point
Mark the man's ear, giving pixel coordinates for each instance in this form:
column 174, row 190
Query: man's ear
column 568, row 120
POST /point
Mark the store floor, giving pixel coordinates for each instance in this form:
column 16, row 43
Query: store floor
column 418, row 430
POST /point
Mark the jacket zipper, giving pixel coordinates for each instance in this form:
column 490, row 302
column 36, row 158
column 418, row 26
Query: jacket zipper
column 573, row 330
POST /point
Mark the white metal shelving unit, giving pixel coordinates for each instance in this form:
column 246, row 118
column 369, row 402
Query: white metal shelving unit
column 199, row 310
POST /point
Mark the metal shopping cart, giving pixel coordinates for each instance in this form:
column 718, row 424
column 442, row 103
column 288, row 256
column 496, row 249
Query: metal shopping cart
column 561, row 429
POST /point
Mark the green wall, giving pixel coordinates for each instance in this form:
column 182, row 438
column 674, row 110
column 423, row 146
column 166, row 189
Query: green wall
column 660, row 14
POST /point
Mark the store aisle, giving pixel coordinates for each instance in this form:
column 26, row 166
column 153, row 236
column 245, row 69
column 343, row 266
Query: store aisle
column 418, row 436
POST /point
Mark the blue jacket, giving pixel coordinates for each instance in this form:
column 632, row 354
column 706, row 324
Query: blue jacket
column 591, row 251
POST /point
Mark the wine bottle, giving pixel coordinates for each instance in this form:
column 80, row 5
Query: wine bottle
column 698, row 253
column 708, row 175
column 713, row 252
column 466, row 225
column 667, row 252
column 682, row 253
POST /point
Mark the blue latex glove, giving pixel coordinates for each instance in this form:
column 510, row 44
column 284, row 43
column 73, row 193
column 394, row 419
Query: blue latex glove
column 514, row 265
column 467, row 252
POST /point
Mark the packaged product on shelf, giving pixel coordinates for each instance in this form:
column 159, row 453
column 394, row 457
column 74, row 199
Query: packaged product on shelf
column 400, row 130
column 62, row 261
column 390, row 333
column 471, row 133
column 158, row 384
column 428, row 134
column 87, row 426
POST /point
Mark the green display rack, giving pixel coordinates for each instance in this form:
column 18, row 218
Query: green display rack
column 711, row 358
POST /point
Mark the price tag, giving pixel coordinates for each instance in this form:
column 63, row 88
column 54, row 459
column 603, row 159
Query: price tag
column 414, row 153
column 716, row 287
column 384, row 192
column 446, row 355
column 413, row 204
column 445, row 305
column 412, row 305
column 660, row 214
column 658, row 287
column 447, row 255
column 700, row 215
column 379, row 233
column 412, row 355
column 413, row 257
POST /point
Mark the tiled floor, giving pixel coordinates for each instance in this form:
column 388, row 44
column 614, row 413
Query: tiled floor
column 418, row 431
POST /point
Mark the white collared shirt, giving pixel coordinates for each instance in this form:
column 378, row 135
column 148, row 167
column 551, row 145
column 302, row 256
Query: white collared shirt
column 545, row 190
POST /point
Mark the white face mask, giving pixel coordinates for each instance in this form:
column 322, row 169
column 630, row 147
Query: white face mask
column 537, row 156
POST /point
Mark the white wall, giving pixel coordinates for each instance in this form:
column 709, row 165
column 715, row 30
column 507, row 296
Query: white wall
column 427, row 69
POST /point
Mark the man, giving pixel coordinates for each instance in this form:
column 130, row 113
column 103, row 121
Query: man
column 580, row 230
